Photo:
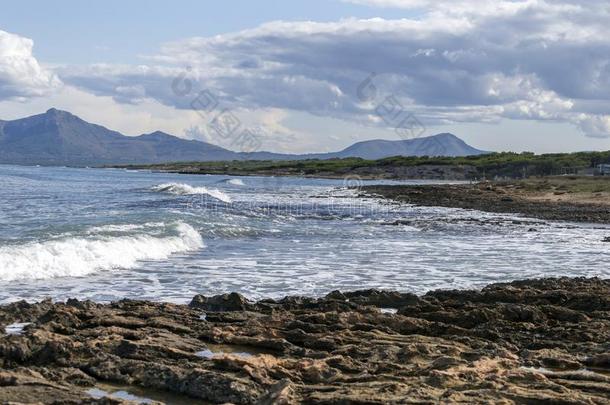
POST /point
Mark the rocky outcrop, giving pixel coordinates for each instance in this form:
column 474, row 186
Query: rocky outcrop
column 526, row 342
column 491, row 197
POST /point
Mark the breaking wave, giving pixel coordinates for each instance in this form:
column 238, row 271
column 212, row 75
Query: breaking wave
column 185, row 189
column 235, row 182
column 79, row 256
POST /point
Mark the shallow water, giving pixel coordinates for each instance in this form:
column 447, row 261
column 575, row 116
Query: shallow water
column 139, row 395
column 107, row 234
column 16, row 328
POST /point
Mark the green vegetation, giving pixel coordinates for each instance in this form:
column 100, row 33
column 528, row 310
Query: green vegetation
column 564, row 185
column 505, row 164
column 514, row 165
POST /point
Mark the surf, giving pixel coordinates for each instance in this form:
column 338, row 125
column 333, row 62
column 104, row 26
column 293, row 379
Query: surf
column 185, row 189
column 80, row 256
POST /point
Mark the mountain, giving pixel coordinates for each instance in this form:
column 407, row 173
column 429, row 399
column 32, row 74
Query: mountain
column 60, row 138
column 436, row 145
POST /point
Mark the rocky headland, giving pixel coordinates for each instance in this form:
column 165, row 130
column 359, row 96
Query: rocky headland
column 526, row 342
column 576, row 199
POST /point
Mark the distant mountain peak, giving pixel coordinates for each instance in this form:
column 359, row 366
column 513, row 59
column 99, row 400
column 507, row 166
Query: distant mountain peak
column 159, row 134
column 55, row 111
column 446, row 135
column 445, row 144
column 55, row 114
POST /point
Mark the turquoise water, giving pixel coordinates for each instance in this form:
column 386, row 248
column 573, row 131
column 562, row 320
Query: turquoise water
column 107, row 234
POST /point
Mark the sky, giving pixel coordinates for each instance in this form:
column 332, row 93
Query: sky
column 317, row 75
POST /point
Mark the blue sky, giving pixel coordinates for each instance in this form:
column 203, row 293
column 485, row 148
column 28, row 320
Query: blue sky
column 118, row 31
column 503, row 75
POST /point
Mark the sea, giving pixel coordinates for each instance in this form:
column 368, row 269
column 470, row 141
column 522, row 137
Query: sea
column 109, row 234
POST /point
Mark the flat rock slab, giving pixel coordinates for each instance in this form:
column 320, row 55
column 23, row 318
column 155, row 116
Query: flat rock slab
column 533, row 341
column 496, row 198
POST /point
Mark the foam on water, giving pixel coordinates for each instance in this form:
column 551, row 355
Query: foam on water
column 79, row 256
column 185, row 189
column 236, row 182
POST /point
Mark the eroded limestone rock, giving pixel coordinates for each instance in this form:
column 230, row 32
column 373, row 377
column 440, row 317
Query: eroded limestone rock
column 536, row 341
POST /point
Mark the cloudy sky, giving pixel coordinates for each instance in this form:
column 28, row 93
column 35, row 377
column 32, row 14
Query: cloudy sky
column 318, row 75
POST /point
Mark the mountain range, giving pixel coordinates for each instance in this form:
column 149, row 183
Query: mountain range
column 61, row 138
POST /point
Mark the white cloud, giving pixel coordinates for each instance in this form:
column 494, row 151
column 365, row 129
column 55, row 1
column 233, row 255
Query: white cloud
column 462, row 61
column 21, row 76
column 597, row 126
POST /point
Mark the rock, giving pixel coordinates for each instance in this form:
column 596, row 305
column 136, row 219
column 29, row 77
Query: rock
column 220, row 303
column 282, row 393
column 600, row 360
column 530, row 341
column 445, row 362
column 378, row 298
column 486, row 197
column 337, row 295
column 27, row 386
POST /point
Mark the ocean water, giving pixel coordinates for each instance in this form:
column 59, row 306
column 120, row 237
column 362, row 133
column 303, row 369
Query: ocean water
column 107, row 234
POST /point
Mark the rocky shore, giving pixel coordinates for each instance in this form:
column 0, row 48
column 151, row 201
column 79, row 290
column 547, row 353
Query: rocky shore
column 527, row 342
column 543, row 201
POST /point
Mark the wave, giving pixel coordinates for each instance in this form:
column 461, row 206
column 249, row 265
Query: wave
column 124, row 227
column 79, row 256
column 185, row 189
column 235, row 182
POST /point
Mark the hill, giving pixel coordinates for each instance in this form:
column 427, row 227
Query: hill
column 60, row 138
column 437, row 145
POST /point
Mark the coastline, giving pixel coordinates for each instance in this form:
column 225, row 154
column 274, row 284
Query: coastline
column 555, row 198
column 574, row 199
column 331, row 169
column 528, row 341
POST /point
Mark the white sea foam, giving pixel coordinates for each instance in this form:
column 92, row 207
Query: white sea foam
column 79, row 256
column 236, row 182
column 124, row 227
column 185, row 189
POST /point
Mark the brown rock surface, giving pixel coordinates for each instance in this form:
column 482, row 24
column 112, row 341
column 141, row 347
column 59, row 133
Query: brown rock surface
column 501, row 197
column 526, row 342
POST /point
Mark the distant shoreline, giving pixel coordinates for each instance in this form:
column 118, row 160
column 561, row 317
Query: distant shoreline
column 331, row 169
column 561, row 198
column 505, row 165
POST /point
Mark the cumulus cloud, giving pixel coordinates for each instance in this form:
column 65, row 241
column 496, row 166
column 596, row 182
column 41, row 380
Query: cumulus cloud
column 21, row 76
column 462, row 61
